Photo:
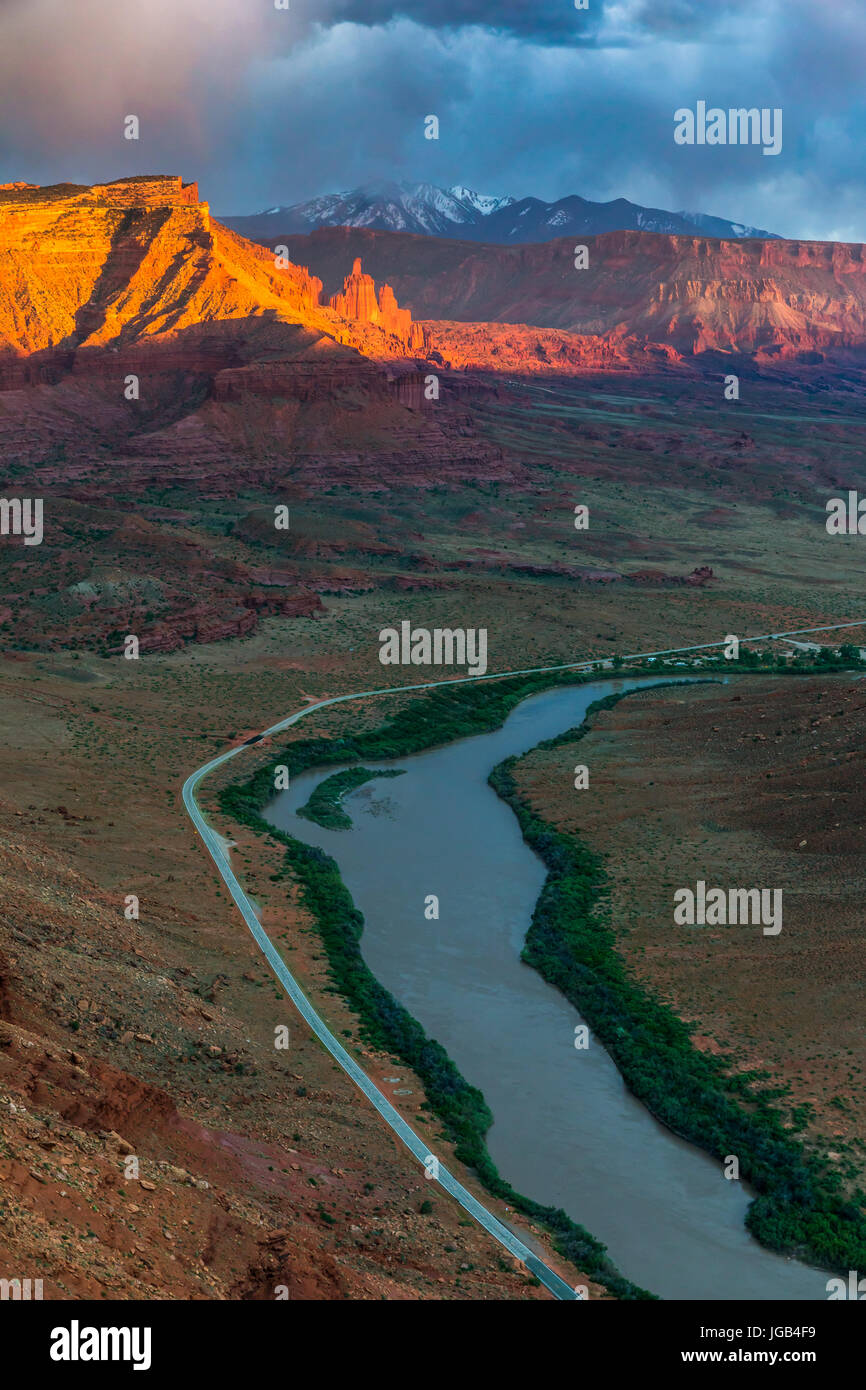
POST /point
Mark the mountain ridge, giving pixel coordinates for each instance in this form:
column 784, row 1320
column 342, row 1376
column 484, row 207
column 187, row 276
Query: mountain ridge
column 139, row 266
column 429, row 210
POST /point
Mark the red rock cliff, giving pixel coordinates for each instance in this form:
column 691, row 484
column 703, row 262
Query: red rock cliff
column 686, row 294
column 358, row 301
column 135, row 260
column 140, row 259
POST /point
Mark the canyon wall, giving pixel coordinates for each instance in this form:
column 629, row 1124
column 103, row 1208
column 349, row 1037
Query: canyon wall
column 689, row 293
column 139, row 258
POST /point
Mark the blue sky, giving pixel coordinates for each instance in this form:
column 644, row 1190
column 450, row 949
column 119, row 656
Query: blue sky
column 269, row 106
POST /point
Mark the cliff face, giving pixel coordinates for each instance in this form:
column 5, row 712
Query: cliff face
column 520, row 350
column 117, row 263
column 689, row 294
column 238, row 366
column 139, row 259
column 358, row 301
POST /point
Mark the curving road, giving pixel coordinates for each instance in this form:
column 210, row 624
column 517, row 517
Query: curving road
column 557, row 1286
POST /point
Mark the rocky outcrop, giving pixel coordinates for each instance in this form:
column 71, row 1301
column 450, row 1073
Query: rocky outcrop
column 358, row 301
column 155, row 191
column 121, row 263
column 522, row 351
column 398, row 322
column 140, row 338
column 795, row 300
column 141, row 259
column 358, row 298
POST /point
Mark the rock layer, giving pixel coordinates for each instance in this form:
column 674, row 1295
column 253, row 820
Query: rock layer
column 689, row 294
column 145, row 347
column 141, row 258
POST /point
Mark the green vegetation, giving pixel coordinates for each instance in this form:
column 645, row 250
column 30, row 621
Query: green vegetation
column 439, row 717
column 387, row 1025
column 324, row 806
column 800, row 1207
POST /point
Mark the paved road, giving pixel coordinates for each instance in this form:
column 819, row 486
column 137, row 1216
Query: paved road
column 557, row 1286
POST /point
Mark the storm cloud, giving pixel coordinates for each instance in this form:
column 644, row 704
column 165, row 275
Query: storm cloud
column 267, row 106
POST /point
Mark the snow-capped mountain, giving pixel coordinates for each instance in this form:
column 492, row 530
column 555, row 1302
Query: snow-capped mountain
column 460, row 212
column 481, row 202
column 392, row 207
column 708, row 225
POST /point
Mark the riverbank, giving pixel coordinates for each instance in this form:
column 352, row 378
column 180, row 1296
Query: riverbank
column 324, row 806
column 384, row 1023
column 801, row 1209
column 442, row 715
column 759, row 782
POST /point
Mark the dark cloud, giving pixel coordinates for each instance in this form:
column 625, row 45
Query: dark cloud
column 267, row 106
column 615, row 22
column 546, row 21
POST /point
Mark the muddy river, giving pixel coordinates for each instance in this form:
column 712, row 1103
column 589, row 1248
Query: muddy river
column 566, row 1131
